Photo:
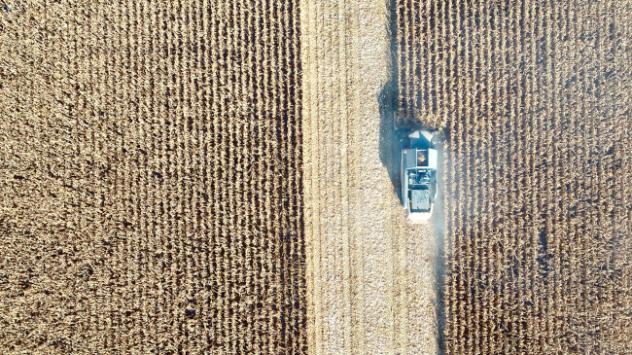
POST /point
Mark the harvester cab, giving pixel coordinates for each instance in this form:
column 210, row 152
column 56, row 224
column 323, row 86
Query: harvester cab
column 419, row 163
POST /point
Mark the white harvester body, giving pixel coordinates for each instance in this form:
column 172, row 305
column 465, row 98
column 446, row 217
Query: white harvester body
column 419, row 162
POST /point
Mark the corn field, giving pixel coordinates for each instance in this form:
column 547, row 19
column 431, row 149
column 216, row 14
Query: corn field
column 150, row 177
column 223, row 177
column 532, row 97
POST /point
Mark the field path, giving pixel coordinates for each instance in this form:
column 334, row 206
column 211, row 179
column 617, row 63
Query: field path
column 370, row 275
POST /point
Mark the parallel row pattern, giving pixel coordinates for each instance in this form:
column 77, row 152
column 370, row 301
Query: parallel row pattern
column 325, row 154
column 369, row 274
column 150, row 177
column 534, row 97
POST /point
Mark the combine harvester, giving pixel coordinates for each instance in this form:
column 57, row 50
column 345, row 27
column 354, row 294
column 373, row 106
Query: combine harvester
column 419, row 163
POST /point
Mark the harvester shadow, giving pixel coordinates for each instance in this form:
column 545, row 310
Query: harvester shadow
column 390, row 145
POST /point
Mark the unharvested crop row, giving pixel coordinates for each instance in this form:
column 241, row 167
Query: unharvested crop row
column 422, row 39
column 538, row 207
column 161, row 146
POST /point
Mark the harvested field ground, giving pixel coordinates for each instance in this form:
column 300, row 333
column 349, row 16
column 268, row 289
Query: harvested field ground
column 370, row 275
column 150, row 178
column 534, row 97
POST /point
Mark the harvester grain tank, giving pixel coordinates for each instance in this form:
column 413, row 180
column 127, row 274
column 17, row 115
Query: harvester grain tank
column 419, row 163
